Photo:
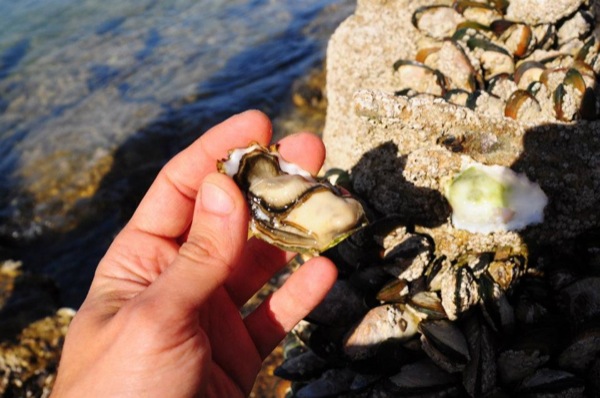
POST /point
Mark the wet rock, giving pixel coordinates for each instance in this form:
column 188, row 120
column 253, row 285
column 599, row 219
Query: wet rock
column 307, row 107
column 332, row 383
column 581, row 299
column 552, row 383
column 24, row 298
column 32, row 331
column 28, row 365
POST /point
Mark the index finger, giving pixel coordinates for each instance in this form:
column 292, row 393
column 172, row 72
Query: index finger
column 167, row 208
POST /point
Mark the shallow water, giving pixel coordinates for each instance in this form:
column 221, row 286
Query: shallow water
column 96, row 95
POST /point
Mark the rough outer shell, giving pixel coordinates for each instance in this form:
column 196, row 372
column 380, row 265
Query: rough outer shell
column 453, row 63
column 541, row 11
column 380, row 324
column 437, row 21
column 459, row 291
column 411, row 75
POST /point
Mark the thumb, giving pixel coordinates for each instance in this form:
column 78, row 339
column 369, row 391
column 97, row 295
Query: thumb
column 213, row 247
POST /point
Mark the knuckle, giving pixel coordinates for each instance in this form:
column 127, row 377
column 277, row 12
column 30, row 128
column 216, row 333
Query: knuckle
column 203, row 249
column 197, row 249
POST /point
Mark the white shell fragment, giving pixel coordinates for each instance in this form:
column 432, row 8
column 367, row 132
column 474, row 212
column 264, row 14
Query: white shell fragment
column 390, row 321
column 290, row 208
column 494, row 198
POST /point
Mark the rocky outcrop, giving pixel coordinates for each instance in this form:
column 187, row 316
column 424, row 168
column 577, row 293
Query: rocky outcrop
column 510, row 298
column 402, row 150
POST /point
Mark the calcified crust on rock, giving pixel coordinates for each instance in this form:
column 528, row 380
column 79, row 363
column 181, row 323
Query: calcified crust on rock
column 290, row 208
column 530, row 60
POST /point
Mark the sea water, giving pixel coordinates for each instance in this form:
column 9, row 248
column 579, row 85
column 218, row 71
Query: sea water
column 95, row 96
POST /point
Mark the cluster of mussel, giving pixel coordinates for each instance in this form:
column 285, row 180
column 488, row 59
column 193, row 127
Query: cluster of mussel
column 402, row 322
column 492, row 56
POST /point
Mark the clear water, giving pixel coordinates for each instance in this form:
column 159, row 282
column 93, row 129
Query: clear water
column 96, row 95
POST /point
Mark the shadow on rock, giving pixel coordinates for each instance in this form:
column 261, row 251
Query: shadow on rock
column 415, row 205
column 565, row 161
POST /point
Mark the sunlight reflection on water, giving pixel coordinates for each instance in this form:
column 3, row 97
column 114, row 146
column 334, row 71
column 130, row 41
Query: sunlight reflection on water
column 96, row 95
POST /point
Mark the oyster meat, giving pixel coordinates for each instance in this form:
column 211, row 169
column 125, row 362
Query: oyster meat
column 290, row 208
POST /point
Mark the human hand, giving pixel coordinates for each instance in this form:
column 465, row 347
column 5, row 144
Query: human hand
column 162, row 314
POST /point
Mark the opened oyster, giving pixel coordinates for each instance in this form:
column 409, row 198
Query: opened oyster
column 290, row 208
column 493, row 198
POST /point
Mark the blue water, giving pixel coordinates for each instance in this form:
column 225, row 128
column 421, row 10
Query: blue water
column 96, row 95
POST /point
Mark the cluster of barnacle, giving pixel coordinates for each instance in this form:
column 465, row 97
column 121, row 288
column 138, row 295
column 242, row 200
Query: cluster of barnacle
column 386, row 327
column 482, row 55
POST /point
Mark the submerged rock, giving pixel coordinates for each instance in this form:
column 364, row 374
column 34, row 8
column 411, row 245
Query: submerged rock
column 28, row 365
column 32, row 331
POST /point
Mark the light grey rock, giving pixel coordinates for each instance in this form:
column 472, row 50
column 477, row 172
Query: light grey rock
column 403, row 151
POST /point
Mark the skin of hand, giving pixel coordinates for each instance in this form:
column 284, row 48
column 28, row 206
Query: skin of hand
column 161, row 318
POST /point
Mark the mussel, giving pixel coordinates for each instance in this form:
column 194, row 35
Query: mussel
column 502, row 47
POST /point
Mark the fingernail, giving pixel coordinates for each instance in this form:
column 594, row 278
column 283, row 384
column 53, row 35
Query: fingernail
column 216, row 200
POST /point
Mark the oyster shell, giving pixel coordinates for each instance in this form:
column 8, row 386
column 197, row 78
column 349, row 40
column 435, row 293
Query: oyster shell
column 290, row 208
column 485, row 199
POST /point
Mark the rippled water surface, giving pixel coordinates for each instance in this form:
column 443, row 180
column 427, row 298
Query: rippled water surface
column 96, row 95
